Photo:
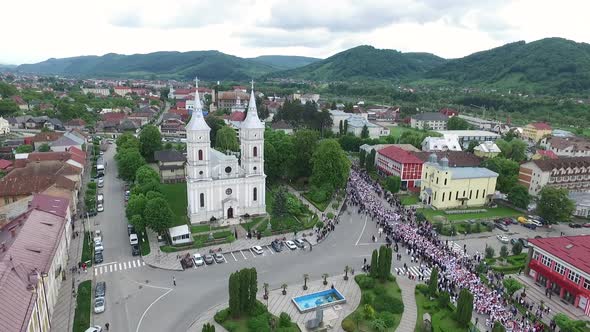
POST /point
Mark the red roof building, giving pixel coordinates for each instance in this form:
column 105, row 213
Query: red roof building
column 450, row 112
column 541, row 126
column 547, row 154
column 560, row 265
column 5, row 164
column 396, row 161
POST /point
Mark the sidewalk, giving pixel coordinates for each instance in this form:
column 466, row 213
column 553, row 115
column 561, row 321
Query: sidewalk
column 408, row 320
column 171, row 261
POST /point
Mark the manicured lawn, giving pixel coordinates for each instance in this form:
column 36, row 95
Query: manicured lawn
column 252, row 223
column 320, row 205
column 259, row 320
column 144, row 246
column 87, row 250
column 269, row 199
column 409, row 199
column 442, row 318
column 83, row 305
column 205, row 228
column 491, row 213
column 374, row 294
column 513, row 263
column 202, row 240
column 175, row 194
column 397, row 131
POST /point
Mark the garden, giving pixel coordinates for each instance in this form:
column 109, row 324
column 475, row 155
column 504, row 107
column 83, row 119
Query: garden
column 490, row 213
column 83, row 304
column 175, row 194
column 87, row 249
column 287, row 213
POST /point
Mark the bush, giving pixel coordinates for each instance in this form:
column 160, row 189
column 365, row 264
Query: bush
column 231, row 326
column 367, row 298
column 364, row 281
column 92, row 185
column 422, row 288
column 319, row 225
column 319, row 195
column 330, row 215
column 348, row 325
column 388, row 303
column 490, row 252
column 259, row 323
column 221, row 316
column 477, row 228
column 387, row 317
column 517, row 248
column 335, row 205
column 258, row 309
column 444, row 299
column 284, row 320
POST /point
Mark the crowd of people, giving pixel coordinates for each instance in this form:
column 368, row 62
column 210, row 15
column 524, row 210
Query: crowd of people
column 421, row 242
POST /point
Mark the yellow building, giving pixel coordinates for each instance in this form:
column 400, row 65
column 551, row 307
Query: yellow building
column 534, row 132
column 445, row 187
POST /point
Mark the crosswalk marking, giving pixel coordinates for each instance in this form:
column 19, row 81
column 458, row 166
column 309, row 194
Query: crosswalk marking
column 142, row 263
column 124, row 266
column 133, row 262
column 111, row 268
column 120, row 267
column 267, row 247
column 114, row 267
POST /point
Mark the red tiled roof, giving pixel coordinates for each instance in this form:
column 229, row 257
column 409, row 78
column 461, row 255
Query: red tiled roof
column 77, row 152
column 573, row 250
column 400, row 155
column 18, row 100
column 541, row 126
column 4, row 164
column 76, row 122
column 46, row 137
column 36, row 177
column 113, row 116
column 237, row 116
column 44, row 156
column 56, row 205
column 456, row 158
column 181, row 103
column 547, row 153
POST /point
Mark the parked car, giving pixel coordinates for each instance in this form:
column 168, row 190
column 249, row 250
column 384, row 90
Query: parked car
column 135, row 250
column 513, row 241
column 130, row 229
column 299, row 242
column 502, row 238
column 218, row 258
column 587, row 224
column 99, row 208
column 133, row 239
column 536, row 223
column 513, row 221
column 99, row 304
column 100, row 183
column 524, row 242
column 530, row 226
column 198, row 259
column 208, row 259
column 98, row 247
column 291, row 245
column 501, row 226
column 101, row 289
column 277, row 245
column 575, row 225
column 257, row 250
column 98, row 258
column 94, row 328
column 100, row 197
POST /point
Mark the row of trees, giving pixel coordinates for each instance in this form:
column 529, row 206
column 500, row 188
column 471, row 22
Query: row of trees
column 304, row 116
column 381, row 263
column 243, row 286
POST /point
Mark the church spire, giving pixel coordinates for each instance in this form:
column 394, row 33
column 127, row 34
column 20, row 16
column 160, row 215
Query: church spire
column 197, row 121
column 252, row 120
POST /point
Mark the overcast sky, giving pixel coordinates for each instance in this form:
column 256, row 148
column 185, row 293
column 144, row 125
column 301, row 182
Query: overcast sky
column 34, row 30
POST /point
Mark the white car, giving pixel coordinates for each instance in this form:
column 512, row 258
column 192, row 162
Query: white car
column 94, row 328
column 198, row 259
column 502, row 238
column 133, row 239
column 99, row 208
column 98, row 247
column 257, row 250
column 100, row 198
column 291, row 245
column 99, row 304
column 100, row 183
column 97, row 240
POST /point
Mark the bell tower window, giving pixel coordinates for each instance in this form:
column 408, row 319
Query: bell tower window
column 255, row 151
column 202, row 200
column 255, row 194
column 200, row 154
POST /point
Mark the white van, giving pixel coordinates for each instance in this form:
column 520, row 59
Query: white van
column 133, row 239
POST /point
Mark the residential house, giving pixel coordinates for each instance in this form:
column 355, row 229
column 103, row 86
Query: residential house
column 572, row 173
column 173, row 127
column 396, row 161
column 171, row 166
column 356, row 123
column 282, row 126
column 445, row 143
column 97, row 91
column 5, row 165
column 78, row 124
column 142, row 117
column 567, row 146
column 467, row 136
column 429, row 121
column 43, row 138
column 544, row 154
column 487, row 150
column 4, row 126
column 450, row 112
column 534, row 132
column 22, row 104
column 229, row 99
column 446, row 187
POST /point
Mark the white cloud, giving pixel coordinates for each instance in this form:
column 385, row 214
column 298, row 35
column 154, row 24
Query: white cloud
column 448, row 28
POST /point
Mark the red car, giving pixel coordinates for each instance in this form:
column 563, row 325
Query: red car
column 587, row 225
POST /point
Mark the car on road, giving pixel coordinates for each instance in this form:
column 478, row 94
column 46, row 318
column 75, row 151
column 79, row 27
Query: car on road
column 218, row 258
column 135, row 250
column 291, row 245
column 277, row 245
column 97, row 240
column 587, row 224
column 98, row 257
column 502, row 238
column 299, row 242
column 198, row 259
column 99, row 208
column 133, row 239
column 501, row 226
column 524, row 242
column 99, row 304
column 100, row 183
column 100, row 198
column 98, row 247
column 208, row 259
column 257, row 250
column 575, row 225
column 101, row 289
column 94, row 328
column 130, row 229
column 536, row 222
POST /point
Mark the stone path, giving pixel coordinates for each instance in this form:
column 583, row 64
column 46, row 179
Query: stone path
column 408, row 320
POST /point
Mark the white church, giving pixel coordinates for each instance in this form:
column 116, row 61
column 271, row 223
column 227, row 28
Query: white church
column 221, row 185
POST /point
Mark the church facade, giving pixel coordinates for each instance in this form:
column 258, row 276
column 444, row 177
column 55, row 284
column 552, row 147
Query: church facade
column 220, row 185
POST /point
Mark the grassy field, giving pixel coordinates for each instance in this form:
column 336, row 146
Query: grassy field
column 442, row 318
column 175, row 194
column 87, row 250
column 320, row 205
column 83, row 304
column 409, row 199
column 205, row 228
column 397, row 131
column 144, row 246
column 491, row 213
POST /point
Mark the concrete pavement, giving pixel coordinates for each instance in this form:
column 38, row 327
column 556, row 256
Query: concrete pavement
column 408, row 320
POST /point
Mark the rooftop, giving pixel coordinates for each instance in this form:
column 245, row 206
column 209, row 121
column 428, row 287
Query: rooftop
column 400, row 155
column 549, row 164
column 169, row 156
column 540, row 126
column 573, row 250
column 488, row 147
column 456, row 158
column 458, row 173
column 430, row 116
column 464, row 133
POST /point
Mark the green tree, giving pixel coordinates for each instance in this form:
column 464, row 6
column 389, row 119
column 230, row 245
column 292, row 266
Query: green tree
column 498, row 327
column 208, row 328
column 433, row 282
column 136, row 205
column 244, row 290
column 362, row 158
column 304, row 142
column 345, row 127
column 7, row 90
column 215, row 123
column 279, row 206
column 150, row 141
column 44, row 147
column 252, row 289
column 514, row 150
column 279, row 152
column 368, row 312
column 145, row 174
column 330, row 165
column 374, row 264
column 393, row 184
column 519, row 196
column 567, row 324
column 554, row 205
column 370, row 162
column 226, row 139
column 128, row 162
column 365, row 132
column 489, row 252
column 158, row 215
column 137, row 221
column 7, row 107
column 472, row 146
column 511, row 285
column 127, row 141
column 284, row 320
column 234, row 294
column 456, row 123
column 464, row 307
column 517, row 248
column 25, row 148
column 507, row 172
column 504, row 252
column 340, row 127
column 382, row 263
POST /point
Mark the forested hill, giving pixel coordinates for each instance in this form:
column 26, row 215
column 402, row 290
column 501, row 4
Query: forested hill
column 284, row 62
column 365, row 62
column 551, row 65
column 208, row 65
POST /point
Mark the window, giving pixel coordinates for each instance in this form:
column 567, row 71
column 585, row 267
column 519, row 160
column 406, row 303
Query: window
column 573, row 276
column 457, row 195
column 437, row 180
column 477, row 194
column 587, row 284
column 470, row 193
column 443, row 198
column 200, row 154
column 559, row 268
column 445, row 181
column 546, row 261
column 202, row 200
column 464, row 194
column 536, row 256
column 255, row 193
column 483, row 195
column 255, row 152
column 228, row 169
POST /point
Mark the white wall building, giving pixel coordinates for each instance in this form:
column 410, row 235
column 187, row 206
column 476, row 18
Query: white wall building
column 445, row 143
column 4, row 126
column 356, row 122
column 217, row 184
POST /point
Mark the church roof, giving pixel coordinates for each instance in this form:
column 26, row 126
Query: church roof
column 197, row 121
column 252, row 121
